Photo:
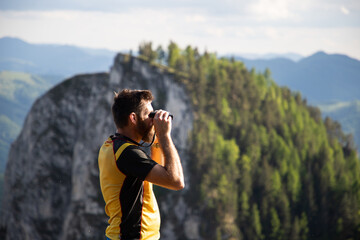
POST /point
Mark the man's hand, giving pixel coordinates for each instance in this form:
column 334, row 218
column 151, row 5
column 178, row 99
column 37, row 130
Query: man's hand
column 162, row 123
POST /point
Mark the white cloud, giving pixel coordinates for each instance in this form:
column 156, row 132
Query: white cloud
column 90, row 29
column 264, row 10
column 303, row 40
column 195, row 18
column 227, row 34
column 215, row 31
column 245, row 32
column 344, row 10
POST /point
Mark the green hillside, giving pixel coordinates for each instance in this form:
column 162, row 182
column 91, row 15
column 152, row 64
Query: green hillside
column 329, row 81
column 347, row 114
column 264, row 164
column 18, row 91
column 8, row 132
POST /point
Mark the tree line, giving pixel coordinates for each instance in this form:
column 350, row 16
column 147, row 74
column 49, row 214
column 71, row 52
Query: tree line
column 265, row 165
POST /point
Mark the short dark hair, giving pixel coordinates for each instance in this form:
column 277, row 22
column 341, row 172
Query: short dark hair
column 126, row 102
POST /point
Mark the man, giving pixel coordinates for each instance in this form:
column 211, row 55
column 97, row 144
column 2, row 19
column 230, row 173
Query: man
column 127, row 172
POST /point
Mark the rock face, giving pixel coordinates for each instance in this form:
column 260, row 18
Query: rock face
column 52, row 189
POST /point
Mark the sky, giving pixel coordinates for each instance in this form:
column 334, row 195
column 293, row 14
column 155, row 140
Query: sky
column 225, row 27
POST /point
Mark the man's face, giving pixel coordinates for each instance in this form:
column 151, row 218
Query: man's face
column 145, row 125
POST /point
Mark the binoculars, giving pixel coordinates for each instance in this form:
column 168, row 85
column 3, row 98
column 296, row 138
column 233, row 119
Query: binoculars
column 152, row 115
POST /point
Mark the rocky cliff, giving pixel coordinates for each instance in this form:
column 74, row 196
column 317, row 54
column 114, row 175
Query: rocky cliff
column 51, row 182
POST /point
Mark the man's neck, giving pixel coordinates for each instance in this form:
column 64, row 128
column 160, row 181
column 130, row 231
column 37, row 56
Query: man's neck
column 129, row 133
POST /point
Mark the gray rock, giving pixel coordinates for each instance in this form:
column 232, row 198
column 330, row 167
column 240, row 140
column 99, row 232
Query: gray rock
column 51, row 188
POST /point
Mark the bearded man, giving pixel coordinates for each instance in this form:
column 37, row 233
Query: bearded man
column 127, row 172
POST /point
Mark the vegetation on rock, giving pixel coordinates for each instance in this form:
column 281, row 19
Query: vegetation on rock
column 264, row 164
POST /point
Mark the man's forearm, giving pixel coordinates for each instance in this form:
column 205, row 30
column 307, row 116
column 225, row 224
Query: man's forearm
column 172, row 160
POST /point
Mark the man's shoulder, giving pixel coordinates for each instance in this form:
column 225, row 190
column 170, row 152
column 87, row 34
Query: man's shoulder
column 119, row 142
column 133, row 161
column 133, row 151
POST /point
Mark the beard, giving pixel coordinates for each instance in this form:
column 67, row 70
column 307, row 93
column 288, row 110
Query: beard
column 146, row 132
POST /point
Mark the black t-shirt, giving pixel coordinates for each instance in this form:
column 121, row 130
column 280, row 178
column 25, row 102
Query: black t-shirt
column 134, row 162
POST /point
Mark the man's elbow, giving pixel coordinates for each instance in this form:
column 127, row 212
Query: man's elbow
column 179, row 185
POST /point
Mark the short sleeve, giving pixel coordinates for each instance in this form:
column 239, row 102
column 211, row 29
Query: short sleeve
column 135, row 162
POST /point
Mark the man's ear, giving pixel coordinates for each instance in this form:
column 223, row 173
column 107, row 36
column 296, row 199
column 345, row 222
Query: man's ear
column 133, row 118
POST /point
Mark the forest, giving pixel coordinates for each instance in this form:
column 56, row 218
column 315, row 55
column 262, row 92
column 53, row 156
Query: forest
column 265, row 165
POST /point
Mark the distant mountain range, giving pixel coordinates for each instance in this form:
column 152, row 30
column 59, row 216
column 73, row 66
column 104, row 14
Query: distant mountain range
column 348, row 114
column 41, row 59
column 321, row 78
column 252, row 56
